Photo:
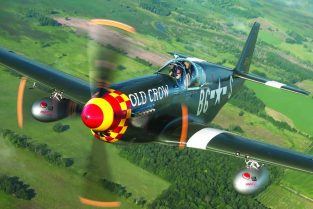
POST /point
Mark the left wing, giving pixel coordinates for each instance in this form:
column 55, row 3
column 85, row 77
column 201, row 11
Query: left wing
column 231, row 144
column 74, row 88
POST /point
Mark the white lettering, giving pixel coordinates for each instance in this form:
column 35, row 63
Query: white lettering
column 230, row 86
column 150, row 93
column 133, row 100
column 160, row 90
column 206, row 101
column 212, row 94
column 143, row 97
column 165, row 90
column 207, row 95
column 200, row 106
column 138, row 101
column 224, row 90
column 154, row 94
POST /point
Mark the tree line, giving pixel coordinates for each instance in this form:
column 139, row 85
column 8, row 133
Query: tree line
column 157, row 7
column 199, row 179
column 116, row 188
column 248, row 101
column 14, row 186
column 43, row 19
column 25, row 142
column 121, row 191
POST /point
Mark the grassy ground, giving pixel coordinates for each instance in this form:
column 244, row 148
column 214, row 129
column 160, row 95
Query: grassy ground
column 60, row 188
column 258, row 128
column 299, row 181
column 306, row 84
column 277, row 197
column 296, row 107
column 279, row 116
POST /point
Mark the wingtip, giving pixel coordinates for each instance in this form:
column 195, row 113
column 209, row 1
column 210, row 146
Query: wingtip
column 256, row 25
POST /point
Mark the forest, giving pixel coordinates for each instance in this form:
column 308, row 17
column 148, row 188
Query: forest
column 25, row 142
column 14, row 186
column 199, row 180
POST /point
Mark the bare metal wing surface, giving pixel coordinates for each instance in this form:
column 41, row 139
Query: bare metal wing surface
column 74, row 88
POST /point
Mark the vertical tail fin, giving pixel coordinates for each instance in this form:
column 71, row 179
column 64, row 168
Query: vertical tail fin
column 242, row 68
column 244, row 62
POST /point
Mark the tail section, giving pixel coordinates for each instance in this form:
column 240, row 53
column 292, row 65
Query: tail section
column 244, row 62
column 242, row 68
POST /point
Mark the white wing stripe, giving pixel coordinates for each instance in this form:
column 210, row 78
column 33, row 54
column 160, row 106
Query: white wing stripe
column 201, row 139
column 274, row 84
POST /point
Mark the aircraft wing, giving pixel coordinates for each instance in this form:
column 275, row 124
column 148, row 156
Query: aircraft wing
column 204, row 138
column 75, row 89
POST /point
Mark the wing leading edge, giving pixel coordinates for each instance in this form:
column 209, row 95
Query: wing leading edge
column 231, row 144
column 74, row 88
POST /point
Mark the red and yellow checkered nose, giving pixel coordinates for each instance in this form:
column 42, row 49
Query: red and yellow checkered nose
column 107, row 116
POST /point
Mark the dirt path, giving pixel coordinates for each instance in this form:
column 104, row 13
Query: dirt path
column 134, row 47
column 279, row 116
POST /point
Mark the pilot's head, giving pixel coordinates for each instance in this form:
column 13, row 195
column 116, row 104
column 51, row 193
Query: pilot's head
column 178, row 73
column 187, row 65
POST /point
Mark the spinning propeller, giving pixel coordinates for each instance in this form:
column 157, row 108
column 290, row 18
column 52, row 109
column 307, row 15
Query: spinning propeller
column 108, row 110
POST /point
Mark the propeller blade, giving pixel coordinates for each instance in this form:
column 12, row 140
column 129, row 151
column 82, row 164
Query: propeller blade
column 98, row 169
column 113, row 23
column 20, row 96
column 105, row 59
column 184, row 129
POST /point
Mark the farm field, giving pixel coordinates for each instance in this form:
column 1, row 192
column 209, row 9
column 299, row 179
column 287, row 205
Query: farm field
column 296, row 107
column 278, row 197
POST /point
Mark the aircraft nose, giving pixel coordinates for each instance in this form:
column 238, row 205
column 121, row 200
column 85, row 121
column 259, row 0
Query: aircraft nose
column 92, row 116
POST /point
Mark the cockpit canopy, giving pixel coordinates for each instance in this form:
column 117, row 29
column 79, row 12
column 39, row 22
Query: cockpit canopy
column 185, row 72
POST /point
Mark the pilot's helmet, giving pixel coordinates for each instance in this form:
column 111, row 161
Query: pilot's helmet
column 179, row 71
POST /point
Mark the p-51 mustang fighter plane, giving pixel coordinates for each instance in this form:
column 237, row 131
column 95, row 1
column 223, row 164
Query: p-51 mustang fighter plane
column 172, row 106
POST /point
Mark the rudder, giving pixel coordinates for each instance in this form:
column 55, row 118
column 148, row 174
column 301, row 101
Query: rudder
column 244, row 62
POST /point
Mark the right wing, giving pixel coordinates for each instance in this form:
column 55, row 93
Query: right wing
column 204, row 138
column 74, row 88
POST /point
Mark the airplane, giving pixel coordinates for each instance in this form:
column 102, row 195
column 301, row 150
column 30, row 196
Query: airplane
column 173, row 106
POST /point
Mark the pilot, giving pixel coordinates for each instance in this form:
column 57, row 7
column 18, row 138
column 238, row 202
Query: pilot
column 176, row 72
column 188, row 73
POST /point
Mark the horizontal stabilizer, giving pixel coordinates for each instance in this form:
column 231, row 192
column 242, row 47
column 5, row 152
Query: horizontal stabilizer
column 270, row 83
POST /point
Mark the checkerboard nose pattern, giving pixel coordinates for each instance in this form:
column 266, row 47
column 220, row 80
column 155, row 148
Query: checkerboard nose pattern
column 107, row 116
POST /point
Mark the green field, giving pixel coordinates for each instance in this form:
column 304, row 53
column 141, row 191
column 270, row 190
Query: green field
column 278, row 197
column 260, row 129
column 297, row 107
column 57, row 187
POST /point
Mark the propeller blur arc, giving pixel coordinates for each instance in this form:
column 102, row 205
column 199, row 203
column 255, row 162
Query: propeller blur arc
column 184, row 129
column 113, row 23
column 20, row 98
column 103, row 61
